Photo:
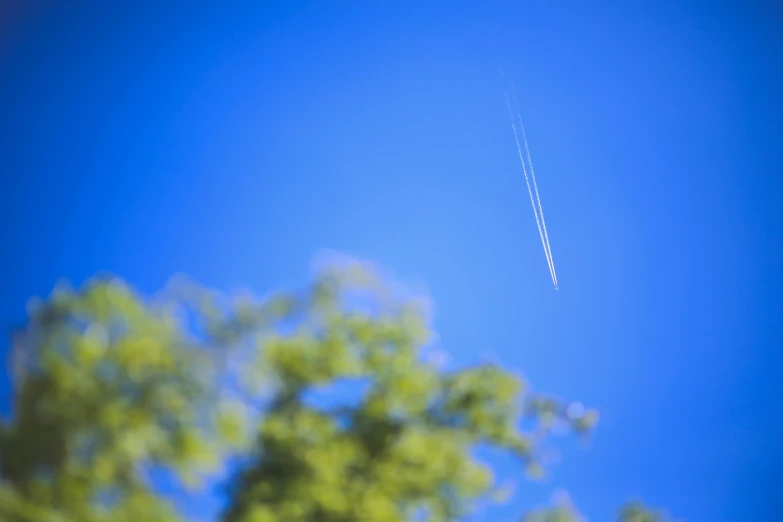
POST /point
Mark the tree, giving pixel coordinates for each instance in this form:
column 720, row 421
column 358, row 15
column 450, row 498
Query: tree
column 110, row 385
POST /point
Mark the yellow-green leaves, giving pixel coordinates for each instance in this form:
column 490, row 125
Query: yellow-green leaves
column 91, row 346
column 636, row 511
column 586, row 421
column 111, row 383
column 232, row 423
column 407, row 442
column 295, row 358
column 259, row 514
column 116, row 384
column 561, row 510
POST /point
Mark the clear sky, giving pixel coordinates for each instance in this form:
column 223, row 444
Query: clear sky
column 233, row 143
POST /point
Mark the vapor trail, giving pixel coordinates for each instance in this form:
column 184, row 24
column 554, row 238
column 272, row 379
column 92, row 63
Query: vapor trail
column 535, row 189
column 530, row 192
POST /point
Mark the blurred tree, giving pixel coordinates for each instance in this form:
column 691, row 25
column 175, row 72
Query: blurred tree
column 110, row 387
column 637, row 512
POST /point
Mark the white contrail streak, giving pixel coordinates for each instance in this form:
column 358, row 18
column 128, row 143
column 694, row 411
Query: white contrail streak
column 530, row 192
column 535, row 188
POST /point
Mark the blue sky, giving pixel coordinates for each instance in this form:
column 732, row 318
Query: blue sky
column 234, row 143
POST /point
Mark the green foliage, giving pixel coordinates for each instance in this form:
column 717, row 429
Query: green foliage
column 562, row 510
column 638, row 512
column 110, row 385
column 106, row 385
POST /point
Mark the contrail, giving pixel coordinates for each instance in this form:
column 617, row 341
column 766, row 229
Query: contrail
column 542, row 230
column 535, row 188
column 530, row 192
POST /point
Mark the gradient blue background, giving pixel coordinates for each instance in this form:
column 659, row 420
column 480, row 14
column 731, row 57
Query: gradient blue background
column 234, row 143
